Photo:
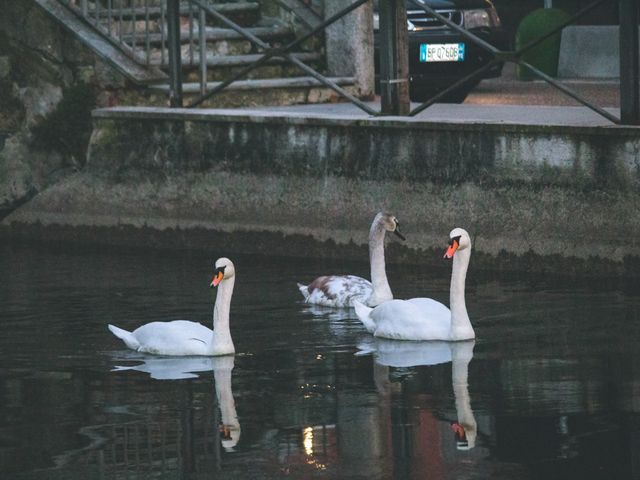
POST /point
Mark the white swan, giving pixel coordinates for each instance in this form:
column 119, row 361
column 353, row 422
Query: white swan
column 425, row 318
column 342, row 290
column 183, row 337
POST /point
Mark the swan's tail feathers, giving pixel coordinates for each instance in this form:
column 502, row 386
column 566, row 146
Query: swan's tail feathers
column 127, row 337
column 364, row 314
column 304, row 290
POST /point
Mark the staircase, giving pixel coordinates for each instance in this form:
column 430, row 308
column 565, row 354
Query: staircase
column 132, row 36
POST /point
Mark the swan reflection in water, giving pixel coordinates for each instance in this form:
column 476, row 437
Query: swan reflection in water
column 403, row 354
column 339, row 321
column 178, row 368
column 331, row 313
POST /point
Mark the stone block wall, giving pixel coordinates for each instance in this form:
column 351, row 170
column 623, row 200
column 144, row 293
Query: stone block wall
column 551, row 199
column 49, row 83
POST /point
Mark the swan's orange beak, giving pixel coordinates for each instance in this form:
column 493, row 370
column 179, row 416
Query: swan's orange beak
column 217, row 279
column 453, row 246
column 225, row 432
column 459, row 431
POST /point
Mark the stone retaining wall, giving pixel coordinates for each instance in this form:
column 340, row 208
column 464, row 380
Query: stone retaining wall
column 560, row 199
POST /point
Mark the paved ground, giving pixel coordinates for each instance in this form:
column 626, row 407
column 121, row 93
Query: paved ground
column 504, row 100
column 467, row 113
column 507, row 90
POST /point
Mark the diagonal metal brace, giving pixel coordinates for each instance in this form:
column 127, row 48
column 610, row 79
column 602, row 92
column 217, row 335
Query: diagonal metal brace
column 282, row 52
column 580, row 13
column 514, row 57
column 569, row 92
column 475, row 74
column 462, row 31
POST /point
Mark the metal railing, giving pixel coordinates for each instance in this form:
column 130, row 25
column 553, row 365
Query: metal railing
column 267, row 53
column 630, row 110
column 160, row 41
column 120, row 20
column 161, row 36
column 629, row 60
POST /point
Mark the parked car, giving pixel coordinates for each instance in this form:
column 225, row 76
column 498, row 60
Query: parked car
column 438, row 55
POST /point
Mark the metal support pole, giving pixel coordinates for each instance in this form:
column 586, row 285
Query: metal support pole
column 202, row 35
column 629, row 63
column 394, row 58
column 175, row 62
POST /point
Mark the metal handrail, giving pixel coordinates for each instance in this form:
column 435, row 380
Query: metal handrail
column 117, row 20
column 117, row 17
column 121, row 15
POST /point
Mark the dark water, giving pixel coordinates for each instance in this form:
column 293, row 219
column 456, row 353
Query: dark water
column 552, row 383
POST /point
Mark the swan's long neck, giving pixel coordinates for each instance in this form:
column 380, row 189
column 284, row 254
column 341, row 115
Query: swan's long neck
column 461, row 328
column 222, row 342
column 224, row 394
column 381, row 289
column 461, row 355
column 228, row 416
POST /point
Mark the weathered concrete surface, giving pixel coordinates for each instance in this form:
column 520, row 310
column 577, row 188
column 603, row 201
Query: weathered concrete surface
column 349, row 45
column 590, row 51
column 42, row 64
column 545, row 198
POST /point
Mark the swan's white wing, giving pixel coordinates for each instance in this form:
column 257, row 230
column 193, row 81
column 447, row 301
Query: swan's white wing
column 430, row 307
column 339, row 290
column 415, row 319
column 179, row 337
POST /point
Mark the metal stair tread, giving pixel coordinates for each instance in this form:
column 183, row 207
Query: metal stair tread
column 259, row 84
column 239, row 60
column 216, row 33
column 140, row 12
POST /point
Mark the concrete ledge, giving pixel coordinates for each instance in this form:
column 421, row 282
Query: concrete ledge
column 561, row 199
column 440, row 116
column 590, row 51
column 168, row 141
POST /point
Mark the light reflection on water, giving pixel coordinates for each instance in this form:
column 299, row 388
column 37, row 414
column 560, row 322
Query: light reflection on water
column 550, row 389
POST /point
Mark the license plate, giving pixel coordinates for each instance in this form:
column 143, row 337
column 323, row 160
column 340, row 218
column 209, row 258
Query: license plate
column 442, row 52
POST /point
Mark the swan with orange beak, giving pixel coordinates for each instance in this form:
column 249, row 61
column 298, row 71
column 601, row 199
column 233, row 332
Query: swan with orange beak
column 425, row 318
column 184, row 337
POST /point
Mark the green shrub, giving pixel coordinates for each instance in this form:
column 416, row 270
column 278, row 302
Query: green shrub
column 545, row 55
